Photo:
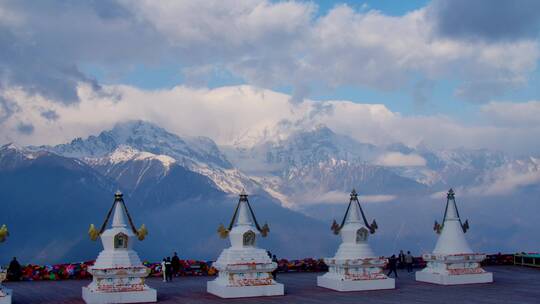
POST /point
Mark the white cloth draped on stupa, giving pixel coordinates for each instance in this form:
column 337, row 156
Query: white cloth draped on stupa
column 453, row 261
column 355, row 266
column 244, row 269
column 5, row 294
column 118, row 274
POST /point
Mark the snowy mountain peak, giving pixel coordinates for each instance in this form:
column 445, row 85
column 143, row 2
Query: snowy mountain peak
column 9, row 146
column 144, row 136
column 21, row 152
column 126, row 153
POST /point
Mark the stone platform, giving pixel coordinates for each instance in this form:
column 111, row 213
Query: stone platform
column 359, row 285
column 245, row 291
column 514, row 284
column 440, row 279
column 144, row 296
column 7, row 298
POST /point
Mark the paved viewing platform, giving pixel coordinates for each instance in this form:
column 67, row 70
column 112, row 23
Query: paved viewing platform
column 513, row 284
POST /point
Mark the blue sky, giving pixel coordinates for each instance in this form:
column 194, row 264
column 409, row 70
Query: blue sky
column 472, row 65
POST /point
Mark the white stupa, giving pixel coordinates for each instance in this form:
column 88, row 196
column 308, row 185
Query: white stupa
column 244, row 269
column 452, row 261
column 355, row 266
column 118, row 274
column 5, row 294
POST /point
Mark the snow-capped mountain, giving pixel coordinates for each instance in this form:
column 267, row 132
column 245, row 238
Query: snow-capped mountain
column 310, row 163
column 146, row 137
column 148, row 141
column 458, row 166
column 306, row 165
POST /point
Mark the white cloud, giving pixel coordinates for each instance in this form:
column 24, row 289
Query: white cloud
column 339, row 197
column 506, row 180
column 396, row 159
column 379, row 198
column 284, row 43
column 244, row 113
column 513, row 114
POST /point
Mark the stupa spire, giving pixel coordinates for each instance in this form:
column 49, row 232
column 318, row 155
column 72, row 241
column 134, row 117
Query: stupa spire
column 243, row 216
column 451, row 213
column 119, row 212
column 119, row 220
column 452, row 231
column 354, row 214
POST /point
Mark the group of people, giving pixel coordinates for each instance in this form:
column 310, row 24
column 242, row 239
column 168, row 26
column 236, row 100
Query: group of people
column 401, row 261
column 170, row 267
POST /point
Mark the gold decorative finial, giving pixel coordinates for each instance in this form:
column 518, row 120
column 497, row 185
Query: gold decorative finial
column 142, row 232
column 373, row 227
column 335, row 227
column 93, row 232
column 4, row 233
column 223, row 232
column 265, row 230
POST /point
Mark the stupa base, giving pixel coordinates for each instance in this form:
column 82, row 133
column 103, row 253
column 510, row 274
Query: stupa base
column 445, row 279
column 223, row 291
column 6, row 299
column 94, row 297
column 355, row 285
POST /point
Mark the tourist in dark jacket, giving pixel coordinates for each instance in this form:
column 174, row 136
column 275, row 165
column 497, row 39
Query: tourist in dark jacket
column 401, row 259
column 168, row 269
column 275, row 260
column 175, row 261
column 14, row 270
column 392, row 261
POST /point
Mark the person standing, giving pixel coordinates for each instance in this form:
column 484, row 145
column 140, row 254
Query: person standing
column 175, row 264
column 401, row 259
column 14, row 270
column 392, row 261
column 164, row 269
column 409, row 259
column 274, row 272
column 168, row 269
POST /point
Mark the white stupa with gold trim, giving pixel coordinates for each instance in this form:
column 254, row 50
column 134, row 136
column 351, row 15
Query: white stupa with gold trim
column 453, row 261
column 355, row 266
column 118, row 274
column 5, row 294
column 244, row 269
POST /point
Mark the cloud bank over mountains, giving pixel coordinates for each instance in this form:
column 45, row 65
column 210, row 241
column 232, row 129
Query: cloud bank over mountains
column 245, row 115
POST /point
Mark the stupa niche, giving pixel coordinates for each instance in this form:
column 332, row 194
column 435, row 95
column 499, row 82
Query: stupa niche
column 355, row 266
column 244, row 269
column 5, row 294
column 452, row 261
column 118, row 274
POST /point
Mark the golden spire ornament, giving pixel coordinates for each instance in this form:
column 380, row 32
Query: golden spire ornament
column 4, row 233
